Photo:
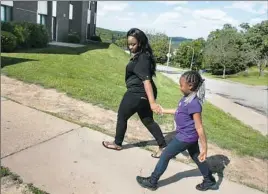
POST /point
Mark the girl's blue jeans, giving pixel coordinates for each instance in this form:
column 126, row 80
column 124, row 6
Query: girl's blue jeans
column 174, row 148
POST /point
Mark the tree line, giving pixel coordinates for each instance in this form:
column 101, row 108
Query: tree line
column 226, row 51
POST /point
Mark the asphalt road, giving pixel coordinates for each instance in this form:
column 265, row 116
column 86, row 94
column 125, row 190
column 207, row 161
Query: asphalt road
column 253, row 97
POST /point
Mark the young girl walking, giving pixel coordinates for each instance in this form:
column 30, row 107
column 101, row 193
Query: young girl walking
column 189, row 129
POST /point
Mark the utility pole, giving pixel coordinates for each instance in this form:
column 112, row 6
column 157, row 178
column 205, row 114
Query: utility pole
column 191, row 67
column 169, row 54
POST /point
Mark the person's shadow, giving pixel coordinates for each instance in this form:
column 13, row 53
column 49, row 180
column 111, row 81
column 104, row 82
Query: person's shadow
column 168, row 137
column 217, row 164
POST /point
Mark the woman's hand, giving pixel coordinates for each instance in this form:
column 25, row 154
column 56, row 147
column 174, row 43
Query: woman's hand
column 149, row 91
column 156, row 108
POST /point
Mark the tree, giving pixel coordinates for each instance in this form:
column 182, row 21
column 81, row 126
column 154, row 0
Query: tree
column 226, row 51
column 198, row 46
column 255, row 46
column 245, row 26
column 122, row 43
column 247, row 55
column 160, row 44
column 222, row 51
column 184, row 53
column 260, row 61
column 262, row 64
column 257, row 37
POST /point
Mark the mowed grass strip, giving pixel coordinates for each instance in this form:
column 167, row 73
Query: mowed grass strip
column 250, row 78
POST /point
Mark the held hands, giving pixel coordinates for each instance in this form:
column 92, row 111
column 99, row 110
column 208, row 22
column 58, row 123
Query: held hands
column 156, row 108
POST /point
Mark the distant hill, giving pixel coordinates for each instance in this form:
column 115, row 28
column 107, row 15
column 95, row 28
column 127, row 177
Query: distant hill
column 177, row 40
column 107, row 35
column 180, row 39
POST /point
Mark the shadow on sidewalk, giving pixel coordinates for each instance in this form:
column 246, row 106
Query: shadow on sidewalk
column 168, row 137
column 217, row 164
column 176, row 177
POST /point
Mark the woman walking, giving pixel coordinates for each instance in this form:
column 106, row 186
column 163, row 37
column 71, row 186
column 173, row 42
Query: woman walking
column 141, row 93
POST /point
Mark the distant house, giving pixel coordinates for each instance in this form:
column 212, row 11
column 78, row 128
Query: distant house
column 60, row 17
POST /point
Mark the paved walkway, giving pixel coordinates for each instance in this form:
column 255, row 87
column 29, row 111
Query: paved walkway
column 246, row 115
column 62, row 158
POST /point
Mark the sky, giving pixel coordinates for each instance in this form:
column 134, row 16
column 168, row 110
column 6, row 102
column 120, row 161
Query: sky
column 190, row 19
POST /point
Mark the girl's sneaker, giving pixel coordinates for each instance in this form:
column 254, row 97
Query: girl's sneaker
column 145, row 182
column 207, row 184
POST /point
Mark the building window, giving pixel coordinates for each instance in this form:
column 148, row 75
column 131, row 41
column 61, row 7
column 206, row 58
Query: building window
column 95, row 18
column 42, row 7
column 6, row 13
column 54, row 8
column 42, row 11
column 88, row 16
column 70, row 11
column 41, row 19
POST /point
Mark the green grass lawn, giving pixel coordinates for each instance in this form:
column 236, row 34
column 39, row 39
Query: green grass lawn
column 96, row 74
column 252, row 78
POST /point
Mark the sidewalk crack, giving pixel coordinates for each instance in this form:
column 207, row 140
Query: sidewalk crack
column 44, row 141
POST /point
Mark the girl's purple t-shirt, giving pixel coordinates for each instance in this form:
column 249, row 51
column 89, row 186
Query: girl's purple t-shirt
column 185, row 127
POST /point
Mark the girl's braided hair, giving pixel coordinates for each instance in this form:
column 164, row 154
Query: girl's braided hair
column 194, row 78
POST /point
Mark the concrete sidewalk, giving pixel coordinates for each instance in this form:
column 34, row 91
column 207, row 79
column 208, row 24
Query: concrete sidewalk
column 63, row 158
column 247, row 116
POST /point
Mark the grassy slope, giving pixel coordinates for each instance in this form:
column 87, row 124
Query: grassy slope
column 97, row 76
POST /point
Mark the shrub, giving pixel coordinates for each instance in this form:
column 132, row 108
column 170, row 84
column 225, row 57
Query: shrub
column 95, row 38
column 28, row 35
column 22, row 35
column 73, row 37
column 7, row 26
column 38, row 35
column 8, row 41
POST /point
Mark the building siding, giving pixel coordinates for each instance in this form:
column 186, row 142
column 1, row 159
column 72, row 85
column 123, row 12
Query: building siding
column 62, row 20
column 25, row 11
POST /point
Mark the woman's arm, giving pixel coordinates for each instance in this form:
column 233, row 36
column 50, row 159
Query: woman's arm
column 201, row 132
column 143, row 71
column 149, row 91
